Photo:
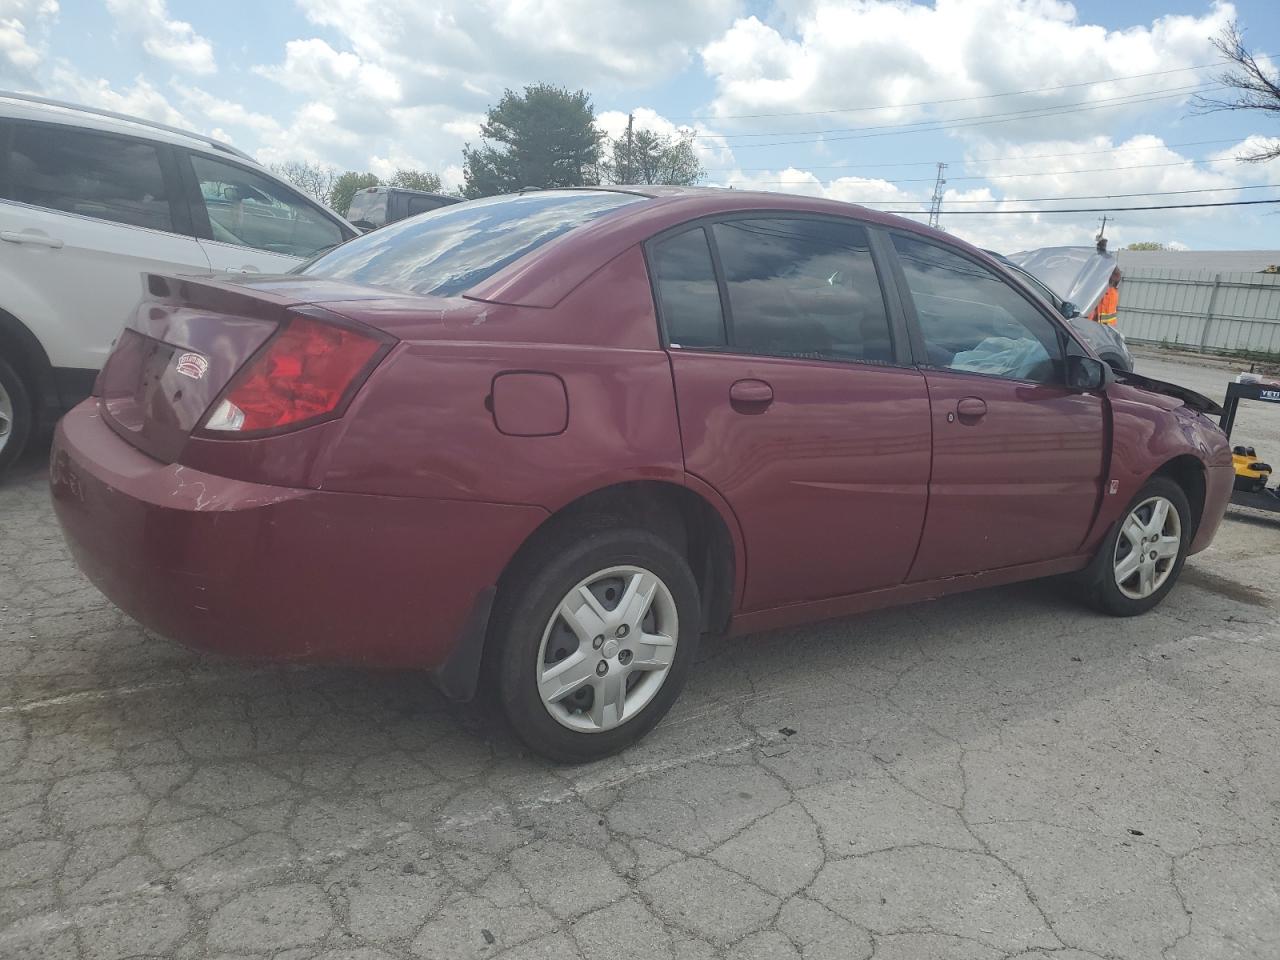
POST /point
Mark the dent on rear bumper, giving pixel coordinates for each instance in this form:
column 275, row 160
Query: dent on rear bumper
column 253, row 570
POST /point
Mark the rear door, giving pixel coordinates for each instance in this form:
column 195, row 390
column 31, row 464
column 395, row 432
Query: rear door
column 250, row 223
column 83, row 214
column 796, row 400
column 1017, row 456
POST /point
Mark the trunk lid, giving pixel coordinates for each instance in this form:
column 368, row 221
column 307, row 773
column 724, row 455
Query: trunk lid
column 188, row 339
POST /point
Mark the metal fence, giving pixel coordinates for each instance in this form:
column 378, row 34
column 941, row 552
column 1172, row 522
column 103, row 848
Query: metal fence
column 1214, row 312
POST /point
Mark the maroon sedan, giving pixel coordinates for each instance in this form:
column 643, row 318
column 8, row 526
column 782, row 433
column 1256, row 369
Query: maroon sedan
column 556, row 437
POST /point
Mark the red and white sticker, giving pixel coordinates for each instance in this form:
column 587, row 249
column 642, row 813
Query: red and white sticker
column 192, row 365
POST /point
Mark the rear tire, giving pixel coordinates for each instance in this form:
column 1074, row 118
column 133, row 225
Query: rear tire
column 16, row 415
column 1137, row 565
column 588, row 599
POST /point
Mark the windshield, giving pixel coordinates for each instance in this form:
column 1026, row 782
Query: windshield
column 452, row 249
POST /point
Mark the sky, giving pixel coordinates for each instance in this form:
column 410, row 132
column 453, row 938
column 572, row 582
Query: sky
column 857, row 100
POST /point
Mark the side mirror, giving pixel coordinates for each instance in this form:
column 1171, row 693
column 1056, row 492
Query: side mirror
column 1069, row 309
column 1088, row 374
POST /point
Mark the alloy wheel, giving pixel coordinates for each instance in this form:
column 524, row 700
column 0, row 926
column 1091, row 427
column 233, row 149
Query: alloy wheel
column 1147, row 548
column 6, row 417
column 607, row 649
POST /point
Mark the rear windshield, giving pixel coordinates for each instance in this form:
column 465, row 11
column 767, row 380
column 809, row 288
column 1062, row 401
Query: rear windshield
column 452, row 249
column 368, row 208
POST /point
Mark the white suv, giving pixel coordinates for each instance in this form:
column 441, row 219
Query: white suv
column 89, row 200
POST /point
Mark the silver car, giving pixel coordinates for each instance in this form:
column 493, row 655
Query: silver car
column 1073, row 279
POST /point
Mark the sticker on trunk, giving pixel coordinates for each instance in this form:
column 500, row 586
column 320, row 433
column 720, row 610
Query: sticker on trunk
column 192, row 365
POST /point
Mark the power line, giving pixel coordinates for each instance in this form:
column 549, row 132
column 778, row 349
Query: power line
column 1048, row 173
column 1136, row 97
column 1165, row 206
column 951, row 125
column 930, row 103
column 1093, row 196
column 1029, row 156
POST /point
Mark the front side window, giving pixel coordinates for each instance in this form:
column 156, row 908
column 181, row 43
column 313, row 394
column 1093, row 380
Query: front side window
column 803, row 288
column 91, row 174
column 688, row 297
column 973, row 321
column 250, row 210
column 450, row 250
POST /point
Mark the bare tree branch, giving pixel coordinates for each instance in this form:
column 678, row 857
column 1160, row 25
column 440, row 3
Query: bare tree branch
column 1253, row 86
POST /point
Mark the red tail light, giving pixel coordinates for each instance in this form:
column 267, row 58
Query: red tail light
column 305, row 373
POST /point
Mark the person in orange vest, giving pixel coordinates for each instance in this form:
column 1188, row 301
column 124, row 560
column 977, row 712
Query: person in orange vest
column 1105, row 312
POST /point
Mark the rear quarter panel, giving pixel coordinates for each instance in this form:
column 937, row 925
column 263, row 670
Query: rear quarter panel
column 424, row 425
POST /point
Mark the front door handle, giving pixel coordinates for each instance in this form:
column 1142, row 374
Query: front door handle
column 247, row 268
column 32, row 238
column 750, row 396
column 971, row 409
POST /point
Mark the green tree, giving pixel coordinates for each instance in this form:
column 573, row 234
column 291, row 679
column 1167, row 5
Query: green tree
column 544, row 137
column 415, row 180
column 345, row 187
column 1145, row 245
column 649, row 157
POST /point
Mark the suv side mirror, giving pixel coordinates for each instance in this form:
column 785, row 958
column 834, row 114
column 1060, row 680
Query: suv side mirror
column 1069, row 309
column 1088, row 374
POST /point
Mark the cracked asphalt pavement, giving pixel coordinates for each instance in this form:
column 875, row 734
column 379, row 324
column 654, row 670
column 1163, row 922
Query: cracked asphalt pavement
column 996, row 775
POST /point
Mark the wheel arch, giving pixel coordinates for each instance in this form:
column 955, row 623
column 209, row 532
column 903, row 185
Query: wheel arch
column 27, row 356
column 704, row 531
column 1188, row 472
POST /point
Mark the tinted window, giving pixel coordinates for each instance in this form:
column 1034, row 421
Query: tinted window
column 250, row 210
column 687, row 293
column 370, row 208
column 803, row 288
column 973, row 320
column 452, row 249
column 91, row 174
column 419, row 205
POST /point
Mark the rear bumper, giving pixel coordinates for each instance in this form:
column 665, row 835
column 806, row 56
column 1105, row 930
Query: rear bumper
column 276, row 572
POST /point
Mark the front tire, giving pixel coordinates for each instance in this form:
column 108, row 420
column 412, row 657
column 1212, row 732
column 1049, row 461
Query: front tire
column 16, row 415
column 1141, row 558
column 597, row 630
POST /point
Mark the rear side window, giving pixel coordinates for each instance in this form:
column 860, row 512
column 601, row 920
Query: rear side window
column 685, row 280
column 419, row 205
column 250, row 210
column 803, row 288
column 91, row 174
column 973, row 320
column 452, row 249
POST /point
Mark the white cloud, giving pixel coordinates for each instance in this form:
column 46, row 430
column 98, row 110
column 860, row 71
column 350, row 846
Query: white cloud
column 825, row 55
column 142, row 99
column 22, row 26
column 173, row 41
column 456, row 47
column 316, row 69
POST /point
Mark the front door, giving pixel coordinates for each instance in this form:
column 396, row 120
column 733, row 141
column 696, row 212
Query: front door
column 1017, row 456
column 793, row 404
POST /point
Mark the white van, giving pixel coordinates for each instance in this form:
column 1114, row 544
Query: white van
column 89, row 200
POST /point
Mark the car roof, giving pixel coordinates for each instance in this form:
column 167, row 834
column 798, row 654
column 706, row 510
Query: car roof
column 25, row 106
column 569, row 259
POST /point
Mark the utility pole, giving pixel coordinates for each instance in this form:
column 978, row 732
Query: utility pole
column 631, row 119
column 935, row 205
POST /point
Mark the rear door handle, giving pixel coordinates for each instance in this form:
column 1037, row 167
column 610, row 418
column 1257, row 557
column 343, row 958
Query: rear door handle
column 247, row 268
column 751, row 394
column 971, row 409
column 29, row 237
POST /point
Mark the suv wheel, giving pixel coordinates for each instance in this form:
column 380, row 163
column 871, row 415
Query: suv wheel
column 1139, row 561
column 15, row 414
column 597, row 633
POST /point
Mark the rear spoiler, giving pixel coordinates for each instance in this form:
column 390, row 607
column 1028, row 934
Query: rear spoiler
column 1196, row 401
